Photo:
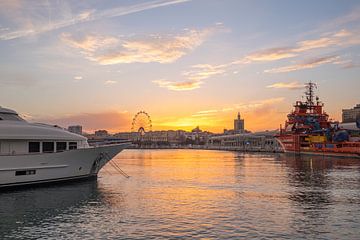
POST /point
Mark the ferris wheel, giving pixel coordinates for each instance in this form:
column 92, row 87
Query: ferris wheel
column 141, row 123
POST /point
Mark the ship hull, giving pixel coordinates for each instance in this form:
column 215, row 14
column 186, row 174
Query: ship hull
column 294, row 144
column 29, row 169
column 324, row 154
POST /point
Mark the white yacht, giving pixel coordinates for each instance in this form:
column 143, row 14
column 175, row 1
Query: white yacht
column 32, row 153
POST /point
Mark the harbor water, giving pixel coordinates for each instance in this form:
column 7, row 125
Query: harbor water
column 194, row 194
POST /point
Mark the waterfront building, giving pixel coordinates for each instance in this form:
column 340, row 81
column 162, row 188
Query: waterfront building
column 351, row 115
column 166, row 138
column 132, row 136
column 176, row 137
column 258, row 142
column 239, row 124
column 75, row 129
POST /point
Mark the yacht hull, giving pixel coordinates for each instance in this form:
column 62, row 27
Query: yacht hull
column 19, row 170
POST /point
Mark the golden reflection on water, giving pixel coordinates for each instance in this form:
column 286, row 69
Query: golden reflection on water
column 201, row 186
column 195, row 194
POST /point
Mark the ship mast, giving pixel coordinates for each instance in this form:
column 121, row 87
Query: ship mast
column 310, row 94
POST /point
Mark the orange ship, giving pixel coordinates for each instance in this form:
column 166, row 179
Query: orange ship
column 308, row 130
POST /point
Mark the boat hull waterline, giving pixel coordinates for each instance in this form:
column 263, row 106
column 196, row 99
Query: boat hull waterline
column 55, row 167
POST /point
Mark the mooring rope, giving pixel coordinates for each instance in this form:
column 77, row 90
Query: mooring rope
column 115, row 166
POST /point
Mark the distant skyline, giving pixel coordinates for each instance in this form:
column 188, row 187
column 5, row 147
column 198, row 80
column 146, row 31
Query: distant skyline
column 187, row 63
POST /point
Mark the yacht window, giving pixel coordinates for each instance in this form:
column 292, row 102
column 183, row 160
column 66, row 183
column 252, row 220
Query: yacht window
column 34, row 147
column 72, row 145
column 60, row 146
column 25, row 172
column 48, row 147
column 10, row 117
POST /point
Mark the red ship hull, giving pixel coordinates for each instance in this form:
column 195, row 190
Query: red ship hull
column 299, row 144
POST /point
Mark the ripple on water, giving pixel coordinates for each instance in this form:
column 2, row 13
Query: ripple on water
column 194, row 194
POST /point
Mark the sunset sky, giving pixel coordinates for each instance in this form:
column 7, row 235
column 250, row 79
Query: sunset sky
column 186, row 63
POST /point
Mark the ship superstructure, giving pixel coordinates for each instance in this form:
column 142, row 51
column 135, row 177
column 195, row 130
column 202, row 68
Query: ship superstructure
column 308, row 130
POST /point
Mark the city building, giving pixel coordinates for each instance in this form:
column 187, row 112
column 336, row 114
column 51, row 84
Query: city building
column 351, row 115
column 239, row 125
column 101, row 133
column 75, row 129
column 257, row 142
column 132, row 136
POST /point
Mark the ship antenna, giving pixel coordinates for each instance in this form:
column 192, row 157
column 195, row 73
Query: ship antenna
column 309, row 93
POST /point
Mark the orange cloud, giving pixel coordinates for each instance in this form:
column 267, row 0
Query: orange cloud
column 271, row 54
column 178, row 86
column 342, row 37
column 107, row 50
column 343, row 33
column 290, row 85
column 161, row 49
column 88, row 43
column 203, row 71
column 316, row 43
column 205, row 113
column 310, row 63
column 110, row 82
column 194, row 77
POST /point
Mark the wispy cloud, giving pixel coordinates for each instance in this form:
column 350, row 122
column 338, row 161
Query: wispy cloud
column 110, row 82
column 290, row 85
column 88, row 43
column 86, row 16
column 161, row 49
column 205, row 113
column 349, row 64
column 317, row 43
column 309, row 63
column 271, row 54
column 194, row 77
column 198, row 73
column 252, row 105
column 178, row 86
column 203, row 71
column 339, row 38
column 165, row 48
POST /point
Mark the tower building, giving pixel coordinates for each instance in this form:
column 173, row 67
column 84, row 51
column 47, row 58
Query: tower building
column 239, row 125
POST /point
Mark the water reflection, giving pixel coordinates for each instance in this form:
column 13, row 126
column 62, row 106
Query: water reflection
column 316, row 186
column 195, row 194
column 309, row 177
column 26, row 210
column 313, row 177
